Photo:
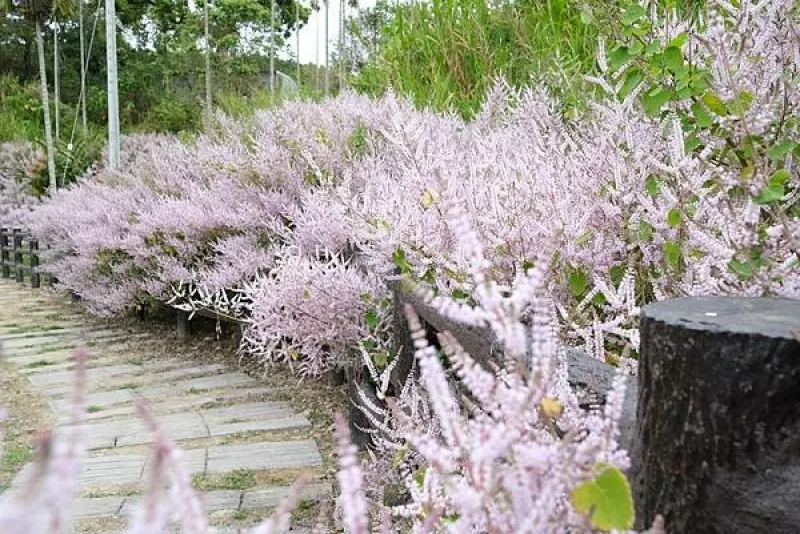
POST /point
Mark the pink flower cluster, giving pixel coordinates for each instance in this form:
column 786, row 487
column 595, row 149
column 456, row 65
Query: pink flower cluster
column 18, row 162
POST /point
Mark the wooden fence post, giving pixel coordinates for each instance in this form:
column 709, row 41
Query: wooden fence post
column 18, row 267
column 184, row 325
column 33, row 251
column 717, row 444
column 5, row 258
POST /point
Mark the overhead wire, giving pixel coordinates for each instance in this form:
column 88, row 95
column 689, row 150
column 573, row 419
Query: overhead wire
column 83, row 84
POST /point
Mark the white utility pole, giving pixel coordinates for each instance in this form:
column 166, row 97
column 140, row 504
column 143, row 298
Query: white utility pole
column 297, row 36
column 316, row 51
column 56, row 83
column 83, row 67
column 341, row 44
column 272, row 52
column 208, row 58
column 327, row 53
column 113, row 94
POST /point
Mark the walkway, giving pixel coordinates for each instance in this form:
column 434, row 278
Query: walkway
column 241, row 445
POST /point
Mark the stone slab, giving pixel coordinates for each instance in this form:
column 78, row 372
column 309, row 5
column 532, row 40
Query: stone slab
column 192, row 425
column 278, row 423
column 95, row 362
column 87, row 508
column 66, row 338
column 272, row 497
column 59, row 356
column 131, row 468
column 51, row 331
column 227, row 380
column 170, row 404
column 191, row 371
column 104, row 398
column 47, row 379
column 63, row 390
column 265, row 455
column 213, row 501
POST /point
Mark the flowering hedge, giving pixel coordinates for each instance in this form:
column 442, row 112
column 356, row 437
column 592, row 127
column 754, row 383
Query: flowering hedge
column 682, row 180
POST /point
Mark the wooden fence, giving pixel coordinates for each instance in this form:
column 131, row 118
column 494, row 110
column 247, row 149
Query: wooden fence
column 19, row 257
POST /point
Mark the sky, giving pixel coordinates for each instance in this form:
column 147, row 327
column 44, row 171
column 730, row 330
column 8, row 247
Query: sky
column 308, row 34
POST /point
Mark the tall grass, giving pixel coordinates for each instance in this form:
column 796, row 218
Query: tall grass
column 446, row 53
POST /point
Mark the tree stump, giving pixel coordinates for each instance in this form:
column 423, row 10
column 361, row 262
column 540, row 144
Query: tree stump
column 717, row 445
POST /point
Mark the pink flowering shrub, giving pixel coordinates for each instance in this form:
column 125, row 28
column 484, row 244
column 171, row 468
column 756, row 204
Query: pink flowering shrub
column 681, row 180
column 18, row 162
column 307, row 312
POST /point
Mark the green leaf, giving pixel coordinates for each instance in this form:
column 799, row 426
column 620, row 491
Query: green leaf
column 599, row 299
column 691, row 143
column 679, row 40
column 684, row 93
column 399, row 456
column 586, row 16
column 652, row 186
column 654, row 99
column 741, row 104
column 459, row 294
column 743, row 269
column 778, row 152
column 526, row 265
column 400, row 261
column 672, row 253
column 429, row 277
column 636, row 48
column 371, row 317
column 700, row 82
column 715, row 104
column 633, row 14
column 701, row 116
column 674, row 218
column 673, row 59
column 419, row 476
column 779, row 177
column 616, row 273
column 605, row 499
column 618, row 57
column 578, row 283
column 584, row 238
column 381, row 359
column 769, row 194
column 451, row 518
column 775, row 189
column 633, row 78
column 645, row 230
column 652, row 48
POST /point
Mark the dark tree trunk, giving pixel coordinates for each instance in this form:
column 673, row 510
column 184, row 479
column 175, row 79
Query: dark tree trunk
column 718, row 421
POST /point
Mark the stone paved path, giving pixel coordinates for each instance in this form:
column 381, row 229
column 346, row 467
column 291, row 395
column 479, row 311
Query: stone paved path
column 232, row 435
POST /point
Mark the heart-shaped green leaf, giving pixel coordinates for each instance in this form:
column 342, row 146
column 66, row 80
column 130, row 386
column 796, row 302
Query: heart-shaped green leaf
column 606, row 499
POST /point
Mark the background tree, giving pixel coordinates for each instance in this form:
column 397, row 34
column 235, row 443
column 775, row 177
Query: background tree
column 37, row 13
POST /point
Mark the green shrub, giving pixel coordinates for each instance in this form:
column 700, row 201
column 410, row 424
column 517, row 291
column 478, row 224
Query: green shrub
column 173, row 114
column 20, row 110
column 447, row 53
